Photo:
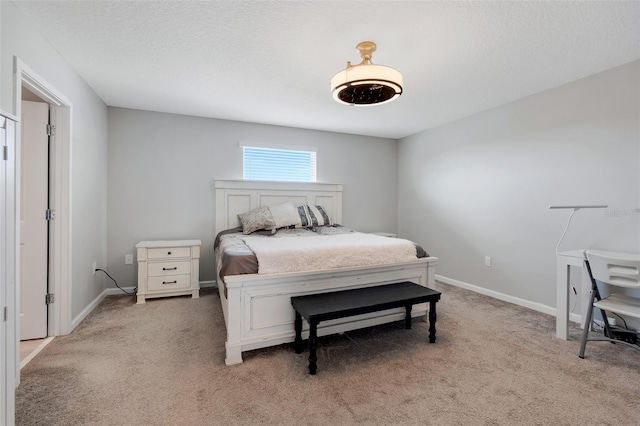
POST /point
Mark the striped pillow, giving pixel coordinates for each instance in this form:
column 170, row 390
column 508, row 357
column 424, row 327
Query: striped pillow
column 312, row 216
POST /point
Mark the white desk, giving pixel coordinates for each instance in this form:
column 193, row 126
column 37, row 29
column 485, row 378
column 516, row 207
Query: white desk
column 565, row 260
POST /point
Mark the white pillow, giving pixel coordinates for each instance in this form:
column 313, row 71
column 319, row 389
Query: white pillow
column 284, row 215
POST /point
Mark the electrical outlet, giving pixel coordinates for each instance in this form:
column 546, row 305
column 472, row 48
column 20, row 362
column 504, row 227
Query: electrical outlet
column 487, row 261
column 95, row 266
column 128, row 259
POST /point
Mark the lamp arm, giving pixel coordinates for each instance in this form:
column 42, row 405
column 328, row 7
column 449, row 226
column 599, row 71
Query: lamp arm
column 566, row 228
column 575, row 209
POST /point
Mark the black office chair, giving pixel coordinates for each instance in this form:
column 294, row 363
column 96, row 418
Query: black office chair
column 614, row 270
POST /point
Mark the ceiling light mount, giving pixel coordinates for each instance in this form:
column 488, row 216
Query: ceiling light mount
column 366, row 84
column 366, row 49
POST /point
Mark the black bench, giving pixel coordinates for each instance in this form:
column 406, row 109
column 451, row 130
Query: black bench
column 327, row 306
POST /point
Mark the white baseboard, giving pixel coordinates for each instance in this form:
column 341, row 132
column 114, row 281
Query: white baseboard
column 115, row 291
column 573, row 317
column 86, row 311
column 209, row 284
column 631, row 323
column 539, row 307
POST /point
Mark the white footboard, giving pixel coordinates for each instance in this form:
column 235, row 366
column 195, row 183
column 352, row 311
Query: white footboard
column 258, row 313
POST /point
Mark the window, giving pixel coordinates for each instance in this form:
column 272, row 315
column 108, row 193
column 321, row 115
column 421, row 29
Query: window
column 279, row 163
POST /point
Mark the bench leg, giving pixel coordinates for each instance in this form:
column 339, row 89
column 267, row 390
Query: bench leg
column 298, row 327
column 407, row 317
column 432, row 321
column 313, row 345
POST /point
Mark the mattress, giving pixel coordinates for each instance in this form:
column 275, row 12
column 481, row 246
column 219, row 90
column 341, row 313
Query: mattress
column 235, row 257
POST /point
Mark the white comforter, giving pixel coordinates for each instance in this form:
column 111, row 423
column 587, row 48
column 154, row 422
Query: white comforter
column 279, row 255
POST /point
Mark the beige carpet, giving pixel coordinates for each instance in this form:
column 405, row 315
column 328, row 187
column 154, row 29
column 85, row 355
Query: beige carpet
column 162, row 363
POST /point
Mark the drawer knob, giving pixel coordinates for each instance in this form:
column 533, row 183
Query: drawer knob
column 169, row 282
column 170, row 269
column 168, row 252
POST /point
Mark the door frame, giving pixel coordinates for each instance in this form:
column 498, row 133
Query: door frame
column 59, row 315
column 8, row 338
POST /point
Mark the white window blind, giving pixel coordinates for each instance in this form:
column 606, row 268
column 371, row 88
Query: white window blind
column 260, row 163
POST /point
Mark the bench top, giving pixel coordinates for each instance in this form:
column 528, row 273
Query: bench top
column 338, row 304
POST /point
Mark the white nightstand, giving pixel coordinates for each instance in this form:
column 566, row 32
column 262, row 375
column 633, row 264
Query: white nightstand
column 168, row 268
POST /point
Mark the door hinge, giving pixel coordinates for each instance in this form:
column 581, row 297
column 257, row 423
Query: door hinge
column 5, row 152
column 50, row 214
column 49, row 298
column 51, row 130
column 5, row 316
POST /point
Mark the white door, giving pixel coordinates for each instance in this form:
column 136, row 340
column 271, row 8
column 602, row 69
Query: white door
column 8, row 338
column 34, row 235
column 3, row 283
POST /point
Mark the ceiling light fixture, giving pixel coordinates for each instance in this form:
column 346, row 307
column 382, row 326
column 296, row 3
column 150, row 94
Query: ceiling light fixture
column 366, row 84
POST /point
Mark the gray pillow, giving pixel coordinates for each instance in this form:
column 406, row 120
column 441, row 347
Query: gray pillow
column 260, row 218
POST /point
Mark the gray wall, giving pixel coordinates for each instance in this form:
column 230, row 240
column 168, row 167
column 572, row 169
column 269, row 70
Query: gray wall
column 162, row 167
column 88, row 146
column 478, row 186
column 481, row 186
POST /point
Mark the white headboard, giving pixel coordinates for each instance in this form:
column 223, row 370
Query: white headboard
column 241, row 196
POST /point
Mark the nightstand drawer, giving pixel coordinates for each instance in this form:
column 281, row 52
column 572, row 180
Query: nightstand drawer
column 169, row 268
column 168, row 253
column 169, row 282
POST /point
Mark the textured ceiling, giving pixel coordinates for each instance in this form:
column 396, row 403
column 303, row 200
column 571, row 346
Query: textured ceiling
column 271, row 62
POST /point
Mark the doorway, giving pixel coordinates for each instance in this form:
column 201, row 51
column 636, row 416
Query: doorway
column 58, row 317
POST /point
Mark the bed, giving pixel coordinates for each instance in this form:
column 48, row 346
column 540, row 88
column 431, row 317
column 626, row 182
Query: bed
column 257, row 307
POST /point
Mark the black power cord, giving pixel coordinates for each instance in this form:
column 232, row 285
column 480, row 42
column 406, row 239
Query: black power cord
column 625, row 323
column 623, row 334
column 135, row 290
column 619, row 333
